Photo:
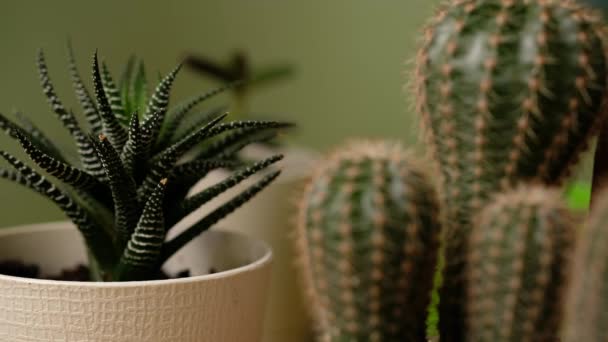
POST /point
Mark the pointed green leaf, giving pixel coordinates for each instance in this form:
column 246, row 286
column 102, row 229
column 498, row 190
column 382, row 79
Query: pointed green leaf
column 85, row 99
column 212, row 129
column 126, row 207
column 202, row 120
column 64, row 172
column 167, row 159
column 113, row 95
column 140, row 90
column 96, row 238
column 197, row 169
column 184, row 176
column 67, row 118
column 157, row 106
column 179, row 113
column 124, row 86
column 132, row 154
column 196, row 201
column 32, row 133
column 88, row 159
column 140, row 258
column 111, row 125
column 230, row 144
column 205, row 223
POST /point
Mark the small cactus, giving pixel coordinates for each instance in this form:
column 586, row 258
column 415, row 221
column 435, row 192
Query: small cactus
column 587, row 305
column 507, row 91
column 517, row 267
column 368, row 237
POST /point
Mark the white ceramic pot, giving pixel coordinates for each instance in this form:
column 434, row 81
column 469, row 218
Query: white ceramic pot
column 225, row 306
column 270, row 216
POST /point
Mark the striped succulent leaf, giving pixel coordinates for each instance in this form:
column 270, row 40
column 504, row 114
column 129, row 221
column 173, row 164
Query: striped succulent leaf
column 184, row 176
column 96, row 238
column 37, row 137
column 175, row 244
column 202, row 118
column 232, row 143
column 158, row 104
column 132, row 153
column 111, row 125
column 167, row 159
column 60, row 170
column 113, row 94
column 181, row 111
column 194, row 202
column 126, row 206
column 83, row 95
column 144, row 248
column 68, row 119
column 10, row 128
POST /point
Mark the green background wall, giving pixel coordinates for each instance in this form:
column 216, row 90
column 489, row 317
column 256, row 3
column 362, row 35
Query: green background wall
column 352, row 59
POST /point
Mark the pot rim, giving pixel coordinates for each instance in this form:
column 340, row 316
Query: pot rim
column 259, row 263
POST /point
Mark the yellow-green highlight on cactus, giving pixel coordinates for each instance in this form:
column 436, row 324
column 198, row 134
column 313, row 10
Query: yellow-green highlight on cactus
column 507, row 91
column 368, row 238
column 518, row 265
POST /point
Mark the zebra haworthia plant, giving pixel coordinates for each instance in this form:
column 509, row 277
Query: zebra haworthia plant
column 138, row 161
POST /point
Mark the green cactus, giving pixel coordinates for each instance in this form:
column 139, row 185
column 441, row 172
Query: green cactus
column 587, row 305
column 517, row 267
column 368, row 237
column 507, row 90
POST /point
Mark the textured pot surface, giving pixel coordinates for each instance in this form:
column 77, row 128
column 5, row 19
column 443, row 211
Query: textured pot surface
column 224, row 306
column 270, row 217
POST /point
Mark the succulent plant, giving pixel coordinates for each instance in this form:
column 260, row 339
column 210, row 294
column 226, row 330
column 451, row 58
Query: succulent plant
column 368, row 237
column 136, row 166
column 587, row 308
column 507, row 91
column 518, row 266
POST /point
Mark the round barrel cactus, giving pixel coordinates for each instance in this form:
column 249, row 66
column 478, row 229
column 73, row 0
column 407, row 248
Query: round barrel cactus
column 368, row 238
column 507, row 90
column 517, row 267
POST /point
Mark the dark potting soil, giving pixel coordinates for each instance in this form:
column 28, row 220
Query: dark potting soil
column 77, row 273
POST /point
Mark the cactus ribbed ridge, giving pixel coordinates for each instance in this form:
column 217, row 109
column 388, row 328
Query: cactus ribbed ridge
column 368, row 238
column 507, row 91
column 517, row 268
column 587, row 305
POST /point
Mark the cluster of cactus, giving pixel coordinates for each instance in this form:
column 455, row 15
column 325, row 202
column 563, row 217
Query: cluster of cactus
column 510, row 93
column 138, row 161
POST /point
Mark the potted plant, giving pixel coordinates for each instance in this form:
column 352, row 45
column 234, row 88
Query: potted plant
column 129, row 188
column 509, row 93
column 286, row 315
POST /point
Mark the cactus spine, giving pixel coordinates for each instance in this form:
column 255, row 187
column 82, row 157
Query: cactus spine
column 368, row 237
column 507, row 90
column 587, row 309
column 519, row 259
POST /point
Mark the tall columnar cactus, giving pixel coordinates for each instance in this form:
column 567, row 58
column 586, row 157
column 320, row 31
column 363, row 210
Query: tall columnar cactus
column 368, row 237
column 587, row 305
column 507, row 90
column 519, row 260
